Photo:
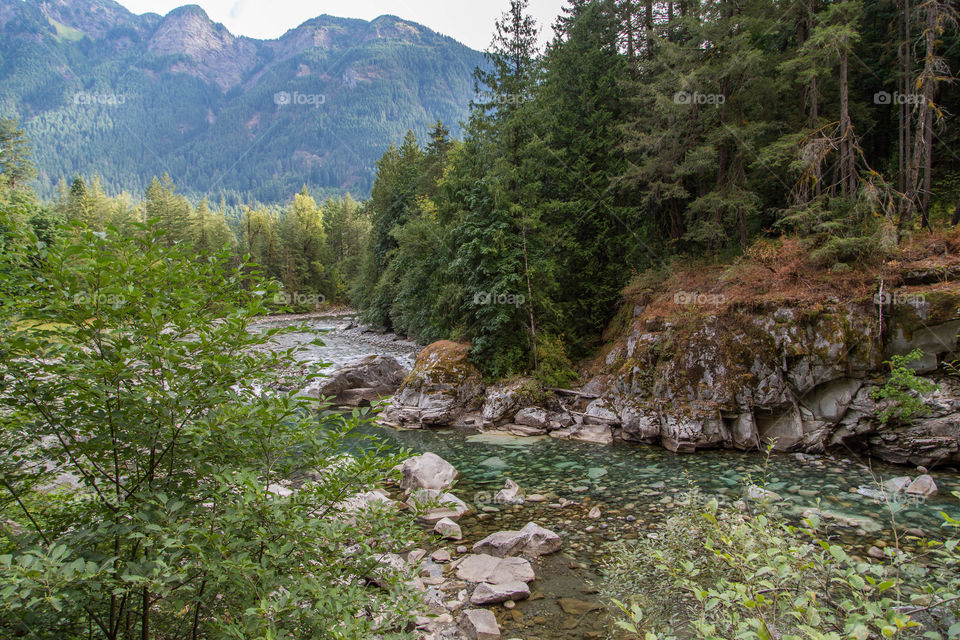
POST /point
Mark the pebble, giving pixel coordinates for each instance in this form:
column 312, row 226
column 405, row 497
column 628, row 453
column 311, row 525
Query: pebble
column 461, row 549
column 631, row 518
column 509, row 604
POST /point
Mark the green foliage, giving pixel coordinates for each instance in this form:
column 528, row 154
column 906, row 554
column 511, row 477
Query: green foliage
column 718, row 573
column 556, row 370
column 16, row 168
column 903, row 390
column 146, row 438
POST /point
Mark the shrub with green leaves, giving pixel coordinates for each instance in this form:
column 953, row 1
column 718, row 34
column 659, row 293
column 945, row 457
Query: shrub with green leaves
column 146, row 448
column 719, row 573
column 903, row 390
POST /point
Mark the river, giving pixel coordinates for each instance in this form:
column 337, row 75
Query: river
column 634, row 487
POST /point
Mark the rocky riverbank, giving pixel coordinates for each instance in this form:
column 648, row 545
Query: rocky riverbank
column 685, row 376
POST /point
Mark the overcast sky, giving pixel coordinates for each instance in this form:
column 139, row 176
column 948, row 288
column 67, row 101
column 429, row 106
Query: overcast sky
column 469, row 21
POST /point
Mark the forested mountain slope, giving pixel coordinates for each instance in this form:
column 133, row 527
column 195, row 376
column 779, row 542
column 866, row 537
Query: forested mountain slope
column 100, row 89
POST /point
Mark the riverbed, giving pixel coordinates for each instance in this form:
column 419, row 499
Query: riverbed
column 633, row 486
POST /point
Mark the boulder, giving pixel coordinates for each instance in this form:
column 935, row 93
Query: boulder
column 504, row 400
column 533, row 417
column 431, row 506
column 442, row 387
column 496, row 593
column 510, row 494
column 427, row 471
column 361, row 382
column 923, row 486
column 532, row 540
column 447, row 528
column 279, row 490
column 479, row 624
column 482, row 567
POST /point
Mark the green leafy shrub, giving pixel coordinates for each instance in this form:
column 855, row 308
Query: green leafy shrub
column 555, row 370
column 903, row 389
column 718, row 573
column 133, row 383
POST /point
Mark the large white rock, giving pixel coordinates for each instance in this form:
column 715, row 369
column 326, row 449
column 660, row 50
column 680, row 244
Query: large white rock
column 496, row 593
column 447, row 528
column 486, row 568
column 479, row 624
column 427, row 471
column 532, row 540
column 533, row 417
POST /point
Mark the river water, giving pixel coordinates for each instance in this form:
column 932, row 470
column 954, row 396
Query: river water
column 633, row 486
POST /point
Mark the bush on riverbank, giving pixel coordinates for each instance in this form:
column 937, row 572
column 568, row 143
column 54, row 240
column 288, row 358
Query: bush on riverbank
column 716, row 572
column 147, row 443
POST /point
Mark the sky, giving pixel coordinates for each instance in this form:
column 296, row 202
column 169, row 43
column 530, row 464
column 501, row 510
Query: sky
column 469, row 21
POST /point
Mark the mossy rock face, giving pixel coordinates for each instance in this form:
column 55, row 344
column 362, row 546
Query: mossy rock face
column 443, row 364
column 442, row 386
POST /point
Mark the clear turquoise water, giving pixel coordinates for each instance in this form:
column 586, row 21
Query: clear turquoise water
column 634, row 487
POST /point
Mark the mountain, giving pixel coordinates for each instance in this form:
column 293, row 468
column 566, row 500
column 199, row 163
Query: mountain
column 102, row 90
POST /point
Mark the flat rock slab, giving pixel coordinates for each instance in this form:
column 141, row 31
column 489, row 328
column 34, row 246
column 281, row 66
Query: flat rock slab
column 532, row 540
column 486, row 568
column 576, row 607
column 497, row 593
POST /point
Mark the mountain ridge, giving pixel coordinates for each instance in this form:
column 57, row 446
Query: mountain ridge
column 103, row 90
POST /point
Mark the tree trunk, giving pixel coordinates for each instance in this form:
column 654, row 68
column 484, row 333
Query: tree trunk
column 648, row 28
column 848, row 178
column 533, row 325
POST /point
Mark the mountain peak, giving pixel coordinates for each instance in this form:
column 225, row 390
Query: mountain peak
column 93, row 18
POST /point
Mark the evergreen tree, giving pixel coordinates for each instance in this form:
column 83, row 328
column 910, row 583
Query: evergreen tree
column 16, row 166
